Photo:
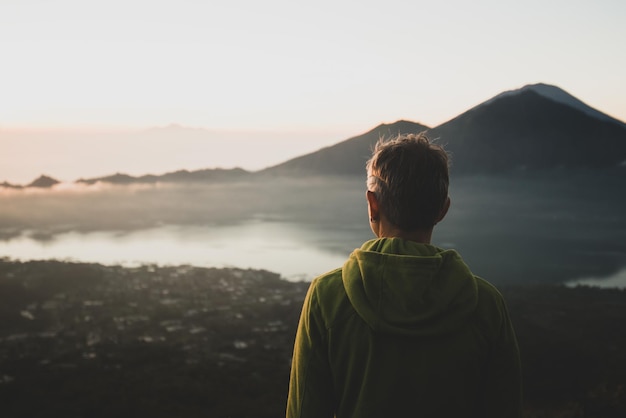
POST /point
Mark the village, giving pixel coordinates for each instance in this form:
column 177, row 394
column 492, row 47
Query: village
column 62, row 319
column 84, row 339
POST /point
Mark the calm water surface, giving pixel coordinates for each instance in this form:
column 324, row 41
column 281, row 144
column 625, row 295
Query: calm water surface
column 273, row 246
column 508, row 230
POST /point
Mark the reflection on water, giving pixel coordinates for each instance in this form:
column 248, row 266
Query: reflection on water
column 272, row 246
column 618, row 280
column 301, row 252
column 553, row 229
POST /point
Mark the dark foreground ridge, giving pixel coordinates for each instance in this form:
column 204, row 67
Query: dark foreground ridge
column 90, row 340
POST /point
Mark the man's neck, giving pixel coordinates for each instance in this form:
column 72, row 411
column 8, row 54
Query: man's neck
column 389, row 231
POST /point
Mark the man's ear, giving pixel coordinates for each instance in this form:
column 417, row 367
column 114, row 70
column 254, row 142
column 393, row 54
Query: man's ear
column 444, row 210
column 372, row 206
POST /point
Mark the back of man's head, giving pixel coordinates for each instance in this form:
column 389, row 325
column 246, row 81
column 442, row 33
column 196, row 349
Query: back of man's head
column 409, row 176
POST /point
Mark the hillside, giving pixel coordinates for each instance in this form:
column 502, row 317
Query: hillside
column 528, row 131
column 535, row 128
column 563, row 97
column 345, row 158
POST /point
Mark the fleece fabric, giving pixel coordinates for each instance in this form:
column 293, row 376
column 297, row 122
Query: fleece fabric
column 404, row 329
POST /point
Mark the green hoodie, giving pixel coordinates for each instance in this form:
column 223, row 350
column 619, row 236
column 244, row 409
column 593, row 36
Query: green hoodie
column 404, row 329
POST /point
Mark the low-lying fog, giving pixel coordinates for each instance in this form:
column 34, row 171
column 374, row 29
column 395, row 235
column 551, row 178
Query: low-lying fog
column 509, row 230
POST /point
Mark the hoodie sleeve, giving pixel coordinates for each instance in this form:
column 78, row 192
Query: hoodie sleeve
column 310, row 386
column 503, row 394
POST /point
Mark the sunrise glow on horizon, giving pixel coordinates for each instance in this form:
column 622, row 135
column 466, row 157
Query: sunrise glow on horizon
column 319, row 71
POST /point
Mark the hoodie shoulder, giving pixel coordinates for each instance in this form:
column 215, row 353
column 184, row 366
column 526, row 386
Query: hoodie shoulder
column 328, row 289
column 491, row 313
column 489, row 296
column 327, row 283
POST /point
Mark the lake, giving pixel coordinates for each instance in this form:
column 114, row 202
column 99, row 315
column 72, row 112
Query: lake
column 279, row 247
column 509, row 230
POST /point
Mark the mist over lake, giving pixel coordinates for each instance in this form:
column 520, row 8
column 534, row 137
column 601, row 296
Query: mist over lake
column 555, row 228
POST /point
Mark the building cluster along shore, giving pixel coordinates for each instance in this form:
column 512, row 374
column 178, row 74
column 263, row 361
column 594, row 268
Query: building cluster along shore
column 93, row 340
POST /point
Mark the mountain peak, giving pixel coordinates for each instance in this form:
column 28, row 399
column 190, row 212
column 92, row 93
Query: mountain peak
column 559, row 95
column 43, row 182
column 525, row 129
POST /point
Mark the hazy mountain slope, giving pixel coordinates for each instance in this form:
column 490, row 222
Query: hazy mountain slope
column 8, row 185
column 181, row 176
column 43, row 182
column 529, row 131
column 347, row 157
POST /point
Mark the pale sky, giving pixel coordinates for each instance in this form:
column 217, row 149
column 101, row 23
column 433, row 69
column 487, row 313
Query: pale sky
column 336, row 68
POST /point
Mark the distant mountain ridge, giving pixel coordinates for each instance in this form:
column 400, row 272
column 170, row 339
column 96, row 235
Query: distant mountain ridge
column 180, row 176
column 537, row 127
column 41, row 182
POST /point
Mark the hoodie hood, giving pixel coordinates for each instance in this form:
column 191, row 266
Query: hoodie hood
column 404, row 287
